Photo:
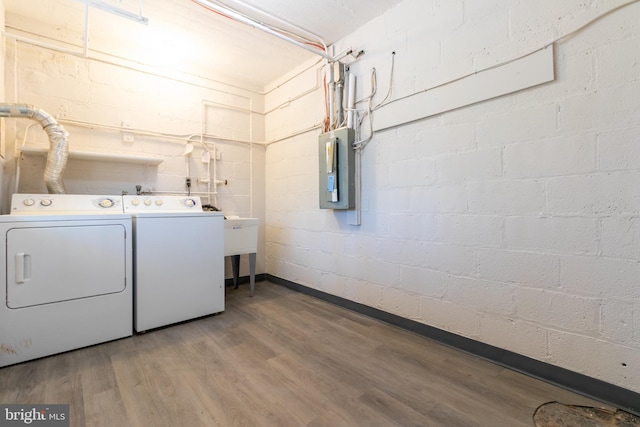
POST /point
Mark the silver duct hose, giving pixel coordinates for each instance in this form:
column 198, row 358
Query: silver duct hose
column 58, row 143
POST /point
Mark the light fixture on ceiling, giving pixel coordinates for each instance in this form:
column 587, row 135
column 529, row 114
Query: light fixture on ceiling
column 99, row 4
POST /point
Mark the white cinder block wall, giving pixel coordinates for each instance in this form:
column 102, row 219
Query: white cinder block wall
column 3, row 147
column 515, row 221
column 112, row 91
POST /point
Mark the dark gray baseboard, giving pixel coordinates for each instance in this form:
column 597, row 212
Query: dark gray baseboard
column 593, row 388
column 245, row 279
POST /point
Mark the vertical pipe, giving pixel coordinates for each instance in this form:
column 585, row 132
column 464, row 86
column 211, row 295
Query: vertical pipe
column 251, row 157
column 251, row 179
column 215, row 177
column 330, row 90
column 203, row 120
column 86, row 30
column 339, row 94
column 351, row 100
column 356, row 216
column 208, row 174
column 358, row 187
column 187, row 164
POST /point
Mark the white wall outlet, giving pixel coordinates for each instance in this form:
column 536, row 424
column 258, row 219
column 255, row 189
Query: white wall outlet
column 127, row 136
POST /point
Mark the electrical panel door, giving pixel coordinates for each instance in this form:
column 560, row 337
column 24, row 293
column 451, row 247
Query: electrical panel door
column 337, row 164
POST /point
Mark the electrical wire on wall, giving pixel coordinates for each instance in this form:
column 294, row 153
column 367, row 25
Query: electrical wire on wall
column 362, row 115
column 503, row 63
column 336, row 87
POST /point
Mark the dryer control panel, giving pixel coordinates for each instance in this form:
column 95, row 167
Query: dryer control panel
column 56, row 204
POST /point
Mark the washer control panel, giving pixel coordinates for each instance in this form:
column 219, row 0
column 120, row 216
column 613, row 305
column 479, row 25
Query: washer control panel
column 148, row 203
column 35, row 204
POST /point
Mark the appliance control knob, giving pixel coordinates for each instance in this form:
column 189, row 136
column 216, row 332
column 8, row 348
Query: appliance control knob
column 147, row 202
column 46, row 202
column 190, row 203
column 158, row 202
column 28, row 202
column 135, row 202
column 106, row 203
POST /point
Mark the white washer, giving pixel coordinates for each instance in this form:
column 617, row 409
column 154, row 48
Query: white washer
column 178, row 260
column 68, row 281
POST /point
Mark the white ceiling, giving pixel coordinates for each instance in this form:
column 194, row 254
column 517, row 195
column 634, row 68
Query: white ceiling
column 182, row 34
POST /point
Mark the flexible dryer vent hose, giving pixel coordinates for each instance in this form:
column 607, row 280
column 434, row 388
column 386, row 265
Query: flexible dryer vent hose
column 58, row 142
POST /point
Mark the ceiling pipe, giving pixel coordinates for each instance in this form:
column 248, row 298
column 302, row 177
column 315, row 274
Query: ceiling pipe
column 257, row 25
column 288, row 24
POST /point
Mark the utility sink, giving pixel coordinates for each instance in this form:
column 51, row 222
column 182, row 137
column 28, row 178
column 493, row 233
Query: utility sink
column 241, row 237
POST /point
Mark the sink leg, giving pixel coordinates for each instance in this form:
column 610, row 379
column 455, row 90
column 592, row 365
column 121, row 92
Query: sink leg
column 235, row 266
column 252, row 272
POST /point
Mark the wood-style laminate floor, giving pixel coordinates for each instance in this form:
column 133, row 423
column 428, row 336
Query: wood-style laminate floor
column 279, row 359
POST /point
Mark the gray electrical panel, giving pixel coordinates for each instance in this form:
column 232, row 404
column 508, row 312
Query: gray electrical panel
column 337, row 164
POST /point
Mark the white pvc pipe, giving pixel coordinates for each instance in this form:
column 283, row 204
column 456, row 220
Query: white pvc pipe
column 41, row 44
column 86, row 31
column 358, row 186
column 351, row 123
column 215, row 178
column 351, row 100
column 209, row 176
column 331, row 92
column 339, row 98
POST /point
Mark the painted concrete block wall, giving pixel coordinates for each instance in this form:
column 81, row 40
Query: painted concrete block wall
column 513, row 221
column 114, row 93
column 3, row 130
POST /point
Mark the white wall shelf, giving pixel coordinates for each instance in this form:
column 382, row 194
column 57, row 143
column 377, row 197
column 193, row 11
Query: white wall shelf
column 97, row 156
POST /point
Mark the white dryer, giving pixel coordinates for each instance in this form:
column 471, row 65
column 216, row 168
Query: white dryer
column 68, row 264
column 178, row 260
